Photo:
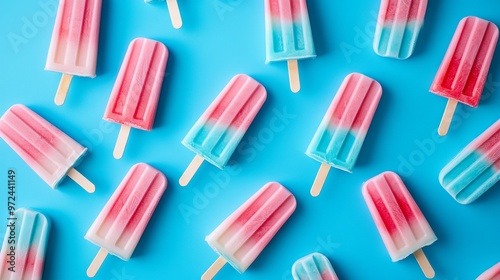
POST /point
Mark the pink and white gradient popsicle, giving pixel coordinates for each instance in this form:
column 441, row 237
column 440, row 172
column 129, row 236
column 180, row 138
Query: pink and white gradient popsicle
column 120, row 225
column 462, row 74
column 401, row 224
column 134, row 98
column 23, row 253
column 241, row 237
column 491, row 274
column 398, row 25
column 74, row 44
column 47, row 150
column 217, row 133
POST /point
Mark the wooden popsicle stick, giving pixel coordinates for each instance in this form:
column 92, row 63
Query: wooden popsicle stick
column 447, row 117
column 121, row 142
column 81, row 180
column 424, row 264
column 175, row 14
column 191, row 170
column 214, row 269
column 320, row 179
column 293, row 75
column 63, row 88
column 97, row 262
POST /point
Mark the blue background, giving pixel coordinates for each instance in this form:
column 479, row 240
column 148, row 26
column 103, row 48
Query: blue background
column 219, row 39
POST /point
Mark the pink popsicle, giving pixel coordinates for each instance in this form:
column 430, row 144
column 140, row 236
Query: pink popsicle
column 74, row 43
column 242, row 236
column 135, row 95
column 120, row 225
column 462, row 74
column 401, row 224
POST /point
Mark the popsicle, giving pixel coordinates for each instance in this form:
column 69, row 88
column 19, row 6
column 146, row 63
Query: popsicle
column 135, row 95
column 23, row 250
column 288, row 35
column 47, row 150
column 491, row 274
column 398, row 25
column 314, row 266
column 400, row 222
column 475, row 169
column 217, row 133
column 122, row 221
column 173, row 9
column 73, row 47
column 339, row 138
column 462, row 74
column 242, row 236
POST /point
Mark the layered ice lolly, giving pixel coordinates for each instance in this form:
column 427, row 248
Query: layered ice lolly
column 135, row 95
column 400, row 222
column 398, row 25
column 120, row 225
column 314, row 266
column 463, row 72
column 491, row 274
column 242, row 236
column 339, row 138
column 74, row 43
column 47, row 150
column 217, row 133
column 288, row 35
column 475, row 169
column 173, row 9
column 23, row 250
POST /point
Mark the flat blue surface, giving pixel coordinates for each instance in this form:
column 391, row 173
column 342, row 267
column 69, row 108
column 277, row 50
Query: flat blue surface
column 219, row 39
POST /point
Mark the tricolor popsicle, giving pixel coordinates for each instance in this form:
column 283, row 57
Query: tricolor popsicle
column 47, row 150
column 173, row 9
column 242, row 236
column 400, row 222
column 462, row 74
column 491, row 274
column 31, row 233
column 74, row 43
column 475, row 169
column 339, row 138
column 135, row 95
column 217, row 133
column 288, row 35
column 120, row 225
column 314, row 266
column 398, row 25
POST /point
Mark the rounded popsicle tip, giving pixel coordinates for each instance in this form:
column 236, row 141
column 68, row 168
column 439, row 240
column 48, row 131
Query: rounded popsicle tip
column 58, row 100
column 177, row 24
column 315, row 192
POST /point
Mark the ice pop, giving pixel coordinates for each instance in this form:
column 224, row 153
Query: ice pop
column 173, row 9
column 288, row 35
column 475, row 169
column 122, row 221
column 135, row 95
column 491, row 274
column 400, row 222
column 398, row 25
column 217, row 133
column 73, row 47
column 242, row 236
column 340, row 135
column 24, row 245
column 47, row 150
column 465, row 66
column 314, row 266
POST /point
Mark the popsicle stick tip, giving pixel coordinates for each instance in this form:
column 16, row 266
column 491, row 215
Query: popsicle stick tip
column 320, row 179
column 62, row 90
column 81, row 180
column 293, row 75
column 214, row 269
column 424, row 264
column 121, row 142
column 444, row 126
column 175, row 14
column 97, row 262
column 190, row 170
